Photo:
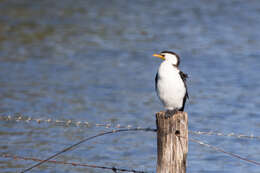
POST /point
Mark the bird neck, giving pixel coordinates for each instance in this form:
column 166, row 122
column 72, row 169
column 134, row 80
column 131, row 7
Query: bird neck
column 167, row 67
column 168, row 64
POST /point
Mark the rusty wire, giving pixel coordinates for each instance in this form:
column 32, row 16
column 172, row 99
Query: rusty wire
column 123, row 130
column 114, row 169
column 124, row 169
column 84, row 140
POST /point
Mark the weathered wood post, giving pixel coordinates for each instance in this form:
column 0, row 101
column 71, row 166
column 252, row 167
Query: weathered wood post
column 172, row 142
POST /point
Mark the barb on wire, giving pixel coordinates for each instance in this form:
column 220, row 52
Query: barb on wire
column 72, row 163
column 63, row 122
column 74, row 123
column 222, row 134
column 21, row 118
column 86, row 139
column 223, row 151
column 139, row 129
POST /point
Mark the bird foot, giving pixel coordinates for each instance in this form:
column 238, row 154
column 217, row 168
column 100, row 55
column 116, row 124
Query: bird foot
column 170, row 113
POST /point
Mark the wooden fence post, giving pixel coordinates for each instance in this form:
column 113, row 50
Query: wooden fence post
column 172, row 142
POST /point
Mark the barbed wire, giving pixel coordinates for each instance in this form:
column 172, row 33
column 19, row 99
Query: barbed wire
column 138, row 129
column 84, row 140
column 114, row 169
column 210, row 133
column 86, row 124
column 223, row 151
column 64, row 122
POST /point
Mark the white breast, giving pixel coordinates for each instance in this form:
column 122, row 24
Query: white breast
column 170, row 87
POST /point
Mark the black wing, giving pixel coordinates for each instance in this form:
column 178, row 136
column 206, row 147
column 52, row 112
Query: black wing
column 156, row 80
column 184, row 77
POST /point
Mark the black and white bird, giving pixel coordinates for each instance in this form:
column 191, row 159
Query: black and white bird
column 170, row 83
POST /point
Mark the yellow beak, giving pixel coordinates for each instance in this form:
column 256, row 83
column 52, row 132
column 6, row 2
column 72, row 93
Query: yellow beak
column 159, row 56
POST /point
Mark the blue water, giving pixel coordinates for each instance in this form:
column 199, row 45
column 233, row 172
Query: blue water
column 92, row 61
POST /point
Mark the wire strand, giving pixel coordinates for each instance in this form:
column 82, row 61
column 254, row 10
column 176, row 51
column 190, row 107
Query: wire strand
column 86, row 124
column 134, row 129
column 223, row 151
column 72, row 163
column 84, row 140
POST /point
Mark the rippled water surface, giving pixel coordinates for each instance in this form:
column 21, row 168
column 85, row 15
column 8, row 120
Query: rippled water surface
column 92, row 61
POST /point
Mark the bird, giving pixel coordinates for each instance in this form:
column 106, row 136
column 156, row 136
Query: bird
column 170, row 83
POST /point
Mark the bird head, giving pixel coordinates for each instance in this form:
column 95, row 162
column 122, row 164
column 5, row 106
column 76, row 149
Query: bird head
column 169, row 56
